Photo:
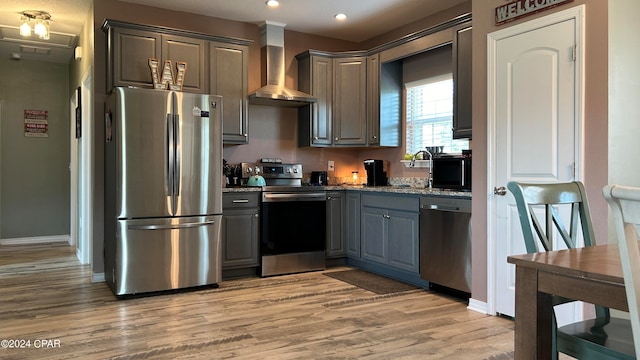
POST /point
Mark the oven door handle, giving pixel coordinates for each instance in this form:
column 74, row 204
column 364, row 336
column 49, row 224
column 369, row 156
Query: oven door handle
column 276, row 197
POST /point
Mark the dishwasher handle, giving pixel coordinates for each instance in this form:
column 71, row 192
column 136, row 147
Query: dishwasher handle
column 442, row 208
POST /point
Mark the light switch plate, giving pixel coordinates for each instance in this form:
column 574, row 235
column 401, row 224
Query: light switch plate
column 331, row 166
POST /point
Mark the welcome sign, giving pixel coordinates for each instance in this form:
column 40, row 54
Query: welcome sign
column 520, row 8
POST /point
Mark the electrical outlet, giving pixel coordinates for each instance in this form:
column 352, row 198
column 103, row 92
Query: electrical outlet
column 331, row 166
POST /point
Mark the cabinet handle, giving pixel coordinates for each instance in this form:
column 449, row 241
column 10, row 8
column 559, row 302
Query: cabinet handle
column 245, row 135
column 336, row 139
column 374, row 137
column 386, row 216
column 241, row 201
column 315, row 138
column 256, row 215
column 328, row 197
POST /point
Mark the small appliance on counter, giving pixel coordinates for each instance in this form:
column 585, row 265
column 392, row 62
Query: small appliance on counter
column 452, row 171
column 376, row 176
column 319, row 178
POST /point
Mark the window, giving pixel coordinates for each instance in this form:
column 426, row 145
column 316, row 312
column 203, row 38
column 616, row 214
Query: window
column 430, row 115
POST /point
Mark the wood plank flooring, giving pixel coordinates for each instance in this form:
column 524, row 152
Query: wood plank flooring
column 46, row 295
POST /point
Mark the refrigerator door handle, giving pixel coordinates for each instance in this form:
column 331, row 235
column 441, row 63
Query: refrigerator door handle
column 171, row 226
column 176, row 169
column 170, row 157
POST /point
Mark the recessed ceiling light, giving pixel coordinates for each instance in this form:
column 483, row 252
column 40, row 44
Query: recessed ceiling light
column 272, row 3
column 340, row 16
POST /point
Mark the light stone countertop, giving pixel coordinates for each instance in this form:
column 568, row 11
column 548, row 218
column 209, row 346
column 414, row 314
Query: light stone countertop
column 380, row 189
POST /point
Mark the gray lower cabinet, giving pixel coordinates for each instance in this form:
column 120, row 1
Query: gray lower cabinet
column 240, row 230
column 352, row 224
column 390, row 230
column 335, row 224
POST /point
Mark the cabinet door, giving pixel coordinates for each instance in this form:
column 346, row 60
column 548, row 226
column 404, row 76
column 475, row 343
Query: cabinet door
column 374, row 234
column 335, row 225
column 131, row 50
column 403, row 240
column 315, row 76
column 228, row 66
column 322, row 89
column 240, row 238
column 352, row 224
column 192, row 52
column 373, row 100
column 462, row 96
column 350, row 101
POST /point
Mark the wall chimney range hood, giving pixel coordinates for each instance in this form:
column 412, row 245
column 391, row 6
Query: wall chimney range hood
column 273, row 91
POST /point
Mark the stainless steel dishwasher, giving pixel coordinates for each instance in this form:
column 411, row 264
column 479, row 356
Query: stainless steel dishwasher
column 445, row 242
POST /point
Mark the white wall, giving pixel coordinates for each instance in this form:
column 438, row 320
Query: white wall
column 34, row 171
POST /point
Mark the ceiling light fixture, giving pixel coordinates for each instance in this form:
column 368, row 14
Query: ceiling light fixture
column 272, row 3
column 40, row 20
column 340, row 17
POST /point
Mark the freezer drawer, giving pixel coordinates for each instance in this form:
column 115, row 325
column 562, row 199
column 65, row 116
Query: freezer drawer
column 163, row 254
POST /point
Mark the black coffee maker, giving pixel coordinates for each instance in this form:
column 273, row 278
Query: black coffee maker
column 376, row 176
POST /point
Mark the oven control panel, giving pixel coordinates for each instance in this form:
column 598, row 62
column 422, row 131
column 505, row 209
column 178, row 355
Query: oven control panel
column 272, row 171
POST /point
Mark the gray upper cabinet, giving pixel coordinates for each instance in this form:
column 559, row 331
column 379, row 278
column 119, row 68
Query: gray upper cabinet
column 132, row 49
column 191, row 51
column 384, row 102
column 128, row 57
column 462, row 94
column 215, row 65
column 350, row 101
column 228, row 66
column 347, row 111
column 315, row 76
column 373, row 100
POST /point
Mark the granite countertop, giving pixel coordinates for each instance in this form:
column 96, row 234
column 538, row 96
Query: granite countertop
column 395, row 189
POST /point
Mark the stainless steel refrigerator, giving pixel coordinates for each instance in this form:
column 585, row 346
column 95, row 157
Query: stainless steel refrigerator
column 163, row 196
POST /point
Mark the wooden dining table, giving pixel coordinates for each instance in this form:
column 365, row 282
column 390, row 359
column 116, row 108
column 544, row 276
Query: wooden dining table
column 592, row 274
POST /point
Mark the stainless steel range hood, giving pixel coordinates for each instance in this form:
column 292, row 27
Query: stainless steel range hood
column 273, row 91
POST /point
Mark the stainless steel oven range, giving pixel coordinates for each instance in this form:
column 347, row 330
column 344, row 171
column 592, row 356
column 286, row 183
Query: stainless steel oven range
column 293, row 220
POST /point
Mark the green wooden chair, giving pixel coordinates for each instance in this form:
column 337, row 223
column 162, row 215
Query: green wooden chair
column 625, row 207
column 603, row 337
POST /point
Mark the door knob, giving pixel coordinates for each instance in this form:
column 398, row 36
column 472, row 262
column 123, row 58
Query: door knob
column 501, row 191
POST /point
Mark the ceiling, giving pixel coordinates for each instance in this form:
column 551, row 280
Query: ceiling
column 308, row 16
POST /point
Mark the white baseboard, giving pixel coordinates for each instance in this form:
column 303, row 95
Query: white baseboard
column 478, row 306
column 97, row 277
column 36, row 240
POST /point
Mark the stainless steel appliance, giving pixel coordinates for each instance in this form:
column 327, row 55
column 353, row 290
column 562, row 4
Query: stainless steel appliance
column 163, row 198
column 376, row 176
column 445, row 242
column 319, row 178
column 452, row 172
column 293, row 221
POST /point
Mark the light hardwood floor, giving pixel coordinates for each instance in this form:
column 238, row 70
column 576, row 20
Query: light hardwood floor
column 46, row 294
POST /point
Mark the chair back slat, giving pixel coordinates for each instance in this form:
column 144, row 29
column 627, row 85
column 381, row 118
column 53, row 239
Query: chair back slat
column 624, row 202
column 552, row 196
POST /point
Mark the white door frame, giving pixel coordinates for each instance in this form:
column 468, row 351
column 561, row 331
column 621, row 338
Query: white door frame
column 82, row 174
column 577, row 13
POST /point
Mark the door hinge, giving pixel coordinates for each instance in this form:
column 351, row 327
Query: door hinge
column 574, row 51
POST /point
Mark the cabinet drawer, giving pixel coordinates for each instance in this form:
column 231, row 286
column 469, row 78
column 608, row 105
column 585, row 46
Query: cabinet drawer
column 392, row 202
column 241, row 200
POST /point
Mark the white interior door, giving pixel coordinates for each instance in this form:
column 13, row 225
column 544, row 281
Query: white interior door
column 535, row 102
